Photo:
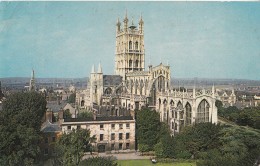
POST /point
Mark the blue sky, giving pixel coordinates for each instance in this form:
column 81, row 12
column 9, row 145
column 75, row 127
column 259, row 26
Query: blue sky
column 64, row 39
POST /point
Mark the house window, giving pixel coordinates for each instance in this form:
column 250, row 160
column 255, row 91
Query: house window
column 46, row 140
column 120, row 136
column 127, row 136
column 113, row 136
column 120, row 146
column 69, row 127
column 53, row 139
column 127, row 145
column 120, row 126
column 101, row 127
column 78, row 126
column 127, row 125
column 101, row 137
column 113, row 126
column 112, row 146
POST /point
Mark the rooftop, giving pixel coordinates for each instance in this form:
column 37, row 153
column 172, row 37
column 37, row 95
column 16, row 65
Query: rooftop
column 112, row 80
column 108, row 118
column 55, row 106
column 48, row 127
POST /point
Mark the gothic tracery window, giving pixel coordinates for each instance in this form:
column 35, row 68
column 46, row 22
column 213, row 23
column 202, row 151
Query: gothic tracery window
column 179, row 106
column 188, row 113
column 108, row 91
column 161, row 83
column 203, row 112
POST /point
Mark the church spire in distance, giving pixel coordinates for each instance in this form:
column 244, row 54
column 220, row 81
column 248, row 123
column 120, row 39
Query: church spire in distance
column 32, row 82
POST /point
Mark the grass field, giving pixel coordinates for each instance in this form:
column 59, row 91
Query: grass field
column 149, row 163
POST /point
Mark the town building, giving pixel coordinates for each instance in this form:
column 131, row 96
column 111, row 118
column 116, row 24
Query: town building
column 227, row 97
column 51, row 131
column 113, row 133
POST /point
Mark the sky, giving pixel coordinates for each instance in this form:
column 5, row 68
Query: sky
column 64, row 39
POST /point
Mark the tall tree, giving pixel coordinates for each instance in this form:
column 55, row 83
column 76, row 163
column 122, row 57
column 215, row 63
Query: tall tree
column 148, row 128
column 71, row 147
column 72, row 98
column 20, row 123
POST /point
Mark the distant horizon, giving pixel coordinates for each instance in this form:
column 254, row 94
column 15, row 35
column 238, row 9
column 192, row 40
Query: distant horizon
column 188, row 78
column 214, row 40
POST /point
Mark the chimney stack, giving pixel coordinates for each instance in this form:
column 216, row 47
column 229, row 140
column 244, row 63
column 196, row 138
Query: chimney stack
column 49, row 115
column 94, row 114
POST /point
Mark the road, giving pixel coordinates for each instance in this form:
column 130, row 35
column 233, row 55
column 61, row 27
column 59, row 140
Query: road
column 121, row 156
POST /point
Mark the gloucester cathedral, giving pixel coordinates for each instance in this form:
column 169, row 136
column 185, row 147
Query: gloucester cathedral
column 133, row 87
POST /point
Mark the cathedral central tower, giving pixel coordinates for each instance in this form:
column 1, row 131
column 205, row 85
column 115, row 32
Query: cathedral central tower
column 130, row 53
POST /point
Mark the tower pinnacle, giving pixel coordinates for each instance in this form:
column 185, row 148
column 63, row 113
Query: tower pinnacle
column 93, row 69
column 125, row 22
column 141, row 24
column 118, row 24
column 99, row 68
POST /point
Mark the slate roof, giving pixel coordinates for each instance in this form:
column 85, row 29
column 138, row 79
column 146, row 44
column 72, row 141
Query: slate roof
column 137, row 73
column 108, row 118
column 109, row 80
column 48, row 127
column 111, row 111
column 55, row 107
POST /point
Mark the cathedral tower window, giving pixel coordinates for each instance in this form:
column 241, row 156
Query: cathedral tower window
column 130, row 45
column 136, row 45
column 136, row 63
column 130, row 63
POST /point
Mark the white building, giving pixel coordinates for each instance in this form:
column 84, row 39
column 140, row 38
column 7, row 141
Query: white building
column 113, row 134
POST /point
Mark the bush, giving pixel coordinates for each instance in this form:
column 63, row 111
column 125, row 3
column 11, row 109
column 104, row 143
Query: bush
column 99, row 161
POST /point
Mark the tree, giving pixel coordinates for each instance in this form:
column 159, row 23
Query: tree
column 85, row 114
column 218, row 104
column 67, row 114
column 20, row 123
column 71, row 147
column 165, row 147
column 143, row 148
column 72, row 98
column 148, row 128
column 99, row 161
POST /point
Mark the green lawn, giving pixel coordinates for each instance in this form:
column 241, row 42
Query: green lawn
column 148, row 163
